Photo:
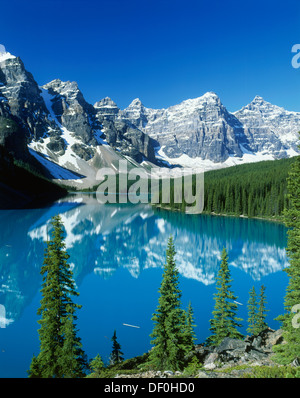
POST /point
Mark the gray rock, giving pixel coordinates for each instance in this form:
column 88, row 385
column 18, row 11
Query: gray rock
column 107, row 109
column 126, row 138
column 23, row 98
column 56, row 144
column 83, row 151
column 229, row 344
column 202, row 375
column 209, row 362
column 168, row 373
column 266, row 339
column 269, row 128
column 202, row 127
column 273, row 337
column 296, row 362
column 190, row 128
column 71, row 109
column 201, row 352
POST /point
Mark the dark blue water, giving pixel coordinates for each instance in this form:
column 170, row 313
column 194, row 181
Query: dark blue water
column 117, row 254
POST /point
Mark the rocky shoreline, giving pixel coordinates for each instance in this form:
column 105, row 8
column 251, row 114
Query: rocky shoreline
column 233, row 358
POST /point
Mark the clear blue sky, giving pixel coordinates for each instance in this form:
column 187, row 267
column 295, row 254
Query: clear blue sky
column 162, row 51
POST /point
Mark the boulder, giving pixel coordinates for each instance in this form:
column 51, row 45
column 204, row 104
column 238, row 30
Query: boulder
column 231, row 345
column 265, row 340
column 202, row 352
column 210, row 361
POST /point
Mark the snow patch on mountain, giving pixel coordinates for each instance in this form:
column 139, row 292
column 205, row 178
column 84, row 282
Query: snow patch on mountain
column 56, row 171
column 4, row 55
column 206, row 164
column 67, row 165
column 200, row 132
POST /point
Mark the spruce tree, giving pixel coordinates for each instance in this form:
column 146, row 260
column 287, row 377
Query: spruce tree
column 224, row 322
column 34, row 370
column 286, row 353
column 60, row 354
column 116, row 355
column 73, row 360
column 252, row 312
column 190, row 325
column 97, row 365
column 261, row 311
column 169, row 333
column 257, row 311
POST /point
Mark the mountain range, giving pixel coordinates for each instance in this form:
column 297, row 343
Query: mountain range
column 58, row 131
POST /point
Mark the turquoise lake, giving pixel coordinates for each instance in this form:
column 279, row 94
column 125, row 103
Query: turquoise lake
column 117, row 254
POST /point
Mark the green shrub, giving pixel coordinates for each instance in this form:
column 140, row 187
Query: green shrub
column 274, row 372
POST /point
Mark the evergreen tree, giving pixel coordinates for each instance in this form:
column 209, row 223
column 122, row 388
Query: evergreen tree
column 34, row 370
column 60, row 348
column 116, row 355
column 238, row 206
column 286, row 353
column 254, row 189
column 190, row 325
column 261, row 311
column 97, row 365
column 169, row 333
column 215, row 206
column 257, row 311
column 73, row 360
column 252, row 312
column 224, row 323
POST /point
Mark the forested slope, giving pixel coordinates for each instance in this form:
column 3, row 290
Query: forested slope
column 253, row 190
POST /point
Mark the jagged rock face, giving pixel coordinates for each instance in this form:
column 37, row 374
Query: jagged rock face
column 72, row 111
column 106, row 109
column 137, row 113
column 202, row 127
column 269, row 128
column 76, row 115
column 190, row 128
column 122, row 134
column 21, row 94
column 59, row 123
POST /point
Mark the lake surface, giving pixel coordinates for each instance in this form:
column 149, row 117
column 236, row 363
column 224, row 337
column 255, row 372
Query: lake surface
column 117, row 254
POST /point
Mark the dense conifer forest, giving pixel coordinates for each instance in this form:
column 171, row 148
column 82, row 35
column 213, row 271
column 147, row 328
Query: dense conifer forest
column 252, row 190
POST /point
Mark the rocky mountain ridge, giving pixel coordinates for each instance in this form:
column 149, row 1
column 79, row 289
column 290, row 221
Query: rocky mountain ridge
column 66, row 134
column 202, row 128
column 72, row 139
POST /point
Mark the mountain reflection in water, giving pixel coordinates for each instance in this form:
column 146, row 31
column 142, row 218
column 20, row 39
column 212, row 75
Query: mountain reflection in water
column 104, row 238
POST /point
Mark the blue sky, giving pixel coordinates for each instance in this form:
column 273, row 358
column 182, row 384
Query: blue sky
column 162, row 51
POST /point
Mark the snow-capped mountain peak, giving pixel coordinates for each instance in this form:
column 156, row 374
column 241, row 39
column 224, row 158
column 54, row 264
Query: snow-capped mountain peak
column 136, row 103
column 261, row 105
column 106, row 102
column 202, row 130
column 62, row 127
column 4, row 55
column 211, row 95
column 258, row 99
column 209, row 99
